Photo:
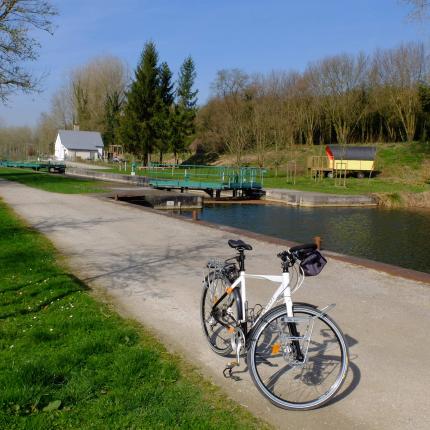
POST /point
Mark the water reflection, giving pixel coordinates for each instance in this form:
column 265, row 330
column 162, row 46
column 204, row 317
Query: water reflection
column 399, row 237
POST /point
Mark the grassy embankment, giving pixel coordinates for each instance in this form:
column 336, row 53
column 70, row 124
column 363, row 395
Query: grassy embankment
column 70, row 362
column 401, row 168
column 403, row 171
column 52, row 182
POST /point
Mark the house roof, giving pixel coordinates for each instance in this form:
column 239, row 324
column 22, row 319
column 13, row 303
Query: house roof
column 82, row 140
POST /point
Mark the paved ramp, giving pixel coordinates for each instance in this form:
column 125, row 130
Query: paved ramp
column 152, row 266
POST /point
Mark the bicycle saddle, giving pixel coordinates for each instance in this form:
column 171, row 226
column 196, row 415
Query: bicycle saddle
column 239, row 244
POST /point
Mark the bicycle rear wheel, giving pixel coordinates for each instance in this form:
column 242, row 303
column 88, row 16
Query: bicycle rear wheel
column 285, row 381
column 227, row 312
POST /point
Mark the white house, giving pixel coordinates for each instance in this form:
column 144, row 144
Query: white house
column 71, row 145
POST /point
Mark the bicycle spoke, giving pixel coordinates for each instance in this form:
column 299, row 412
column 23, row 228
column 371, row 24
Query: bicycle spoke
column 287, row 382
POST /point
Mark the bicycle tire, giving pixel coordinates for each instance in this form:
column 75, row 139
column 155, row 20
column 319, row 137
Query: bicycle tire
column 280, row 378
column 216, row 334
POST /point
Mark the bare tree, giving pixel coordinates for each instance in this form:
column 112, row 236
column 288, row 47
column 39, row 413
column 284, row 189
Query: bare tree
column 91, row 85
column 231, row 87
column 260, row 123
column 345, row 98
column 399, row 72
column 340, row 82
column 18, row 18
column 17, row 143
column 419, row 8
column 307, row 107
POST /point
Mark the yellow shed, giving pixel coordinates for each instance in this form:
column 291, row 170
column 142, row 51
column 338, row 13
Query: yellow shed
column 351, row 158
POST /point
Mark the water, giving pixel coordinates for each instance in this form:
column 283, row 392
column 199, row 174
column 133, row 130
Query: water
column 398, row 237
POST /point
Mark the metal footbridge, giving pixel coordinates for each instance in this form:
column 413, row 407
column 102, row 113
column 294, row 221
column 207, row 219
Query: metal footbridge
column 53, row 167
column 241, row 181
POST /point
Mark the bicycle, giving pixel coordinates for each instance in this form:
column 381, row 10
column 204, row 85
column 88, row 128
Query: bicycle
column 296, row 354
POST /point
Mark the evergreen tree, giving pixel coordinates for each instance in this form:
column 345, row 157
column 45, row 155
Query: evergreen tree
column 113, row 105
column 185, row 110
column 164, row 110
column 138, row 125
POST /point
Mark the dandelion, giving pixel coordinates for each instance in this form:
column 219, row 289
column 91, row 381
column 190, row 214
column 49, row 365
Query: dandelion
column 71, row 316
column 51, row 329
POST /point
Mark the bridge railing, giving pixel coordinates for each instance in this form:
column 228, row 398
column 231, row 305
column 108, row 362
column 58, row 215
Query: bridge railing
column 229, row 176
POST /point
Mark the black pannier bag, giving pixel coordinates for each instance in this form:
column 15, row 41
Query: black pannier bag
column 313, row 263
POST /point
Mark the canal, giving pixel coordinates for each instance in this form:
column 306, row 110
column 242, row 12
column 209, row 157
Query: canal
column 394, row 236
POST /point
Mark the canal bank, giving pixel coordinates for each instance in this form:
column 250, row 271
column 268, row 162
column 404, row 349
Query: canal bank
column 352, row 225
column 314, row 199
column 283, row 196
column 131, row 252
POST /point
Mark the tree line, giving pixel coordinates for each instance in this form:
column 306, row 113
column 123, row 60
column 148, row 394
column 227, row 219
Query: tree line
column 384, row 97
column 149, row 114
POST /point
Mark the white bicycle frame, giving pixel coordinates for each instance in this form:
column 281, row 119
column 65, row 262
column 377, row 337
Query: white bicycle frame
column 284, row 288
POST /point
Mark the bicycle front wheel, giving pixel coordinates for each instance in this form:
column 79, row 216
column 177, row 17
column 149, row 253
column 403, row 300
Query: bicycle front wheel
column 287, row 382
column 215, row 322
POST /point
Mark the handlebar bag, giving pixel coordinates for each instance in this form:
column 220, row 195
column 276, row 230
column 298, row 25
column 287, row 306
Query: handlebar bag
column 313, row 263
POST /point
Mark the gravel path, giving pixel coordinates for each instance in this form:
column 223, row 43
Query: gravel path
column 151, row 265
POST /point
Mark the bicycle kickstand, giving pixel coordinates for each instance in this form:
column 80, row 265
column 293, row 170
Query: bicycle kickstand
column 228, row 371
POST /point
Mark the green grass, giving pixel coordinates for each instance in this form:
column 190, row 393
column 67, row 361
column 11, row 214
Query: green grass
column 353, row 185
column 402, row 167
column 403, row 160
column 52, row 182
column 69, row 361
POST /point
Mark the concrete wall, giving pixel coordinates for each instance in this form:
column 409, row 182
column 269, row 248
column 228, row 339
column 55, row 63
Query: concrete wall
column 106, row 176
column 309, row 199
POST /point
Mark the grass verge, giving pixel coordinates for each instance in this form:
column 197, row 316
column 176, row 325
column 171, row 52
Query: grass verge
column 353, row 185
column 52, row 182
column 70, row 362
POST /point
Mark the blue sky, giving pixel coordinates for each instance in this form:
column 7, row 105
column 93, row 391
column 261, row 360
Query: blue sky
column 254, row 35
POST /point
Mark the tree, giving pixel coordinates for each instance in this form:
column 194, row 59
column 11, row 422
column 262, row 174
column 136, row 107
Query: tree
column 419, row 8
column 399, row 71
column 340, row 82
column 18, row 18
column 113, row 106
column 80, row 101
column 139, row 123
column 185, row 108
column 231, row 87
column 164, row 111
column 17, row 143
column 93, row 86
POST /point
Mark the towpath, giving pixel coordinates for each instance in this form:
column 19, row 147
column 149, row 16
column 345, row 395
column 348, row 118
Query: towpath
column 151, row 265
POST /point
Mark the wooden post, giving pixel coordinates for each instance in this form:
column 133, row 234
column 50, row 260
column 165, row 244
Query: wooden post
column 317, row 241
column 195, row 215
